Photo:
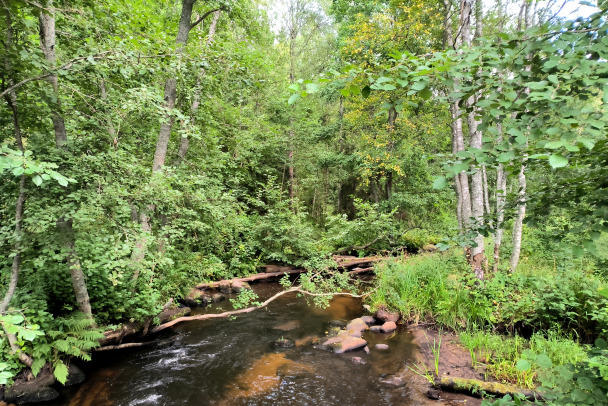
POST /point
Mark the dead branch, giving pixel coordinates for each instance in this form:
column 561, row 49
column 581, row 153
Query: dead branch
column 132, row 345
column 255, row 277
column 248, row 309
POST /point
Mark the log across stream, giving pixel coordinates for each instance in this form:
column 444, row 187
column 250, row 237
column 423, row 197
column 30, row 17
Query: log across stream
column 236, row 362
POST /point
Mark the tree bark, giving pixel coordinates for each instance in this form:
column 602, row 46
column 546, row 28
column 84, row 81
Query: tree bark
column 47, row 44
column 11, row 99
column 519, row 220
column 196, row 100
column 170, row 96
column 521, row 178
column 501, row 197
column 110, row 124
column 477, row 192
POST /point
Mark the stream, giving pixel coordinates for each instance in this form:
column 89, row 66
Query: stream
column 234, row 362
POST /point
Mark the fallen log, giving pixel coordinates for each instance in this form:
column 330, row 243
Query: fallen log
column 359, row 270
column 476, row 387
column 256, row 277
column 133, row 345
column 349, row 262
column 248, row 309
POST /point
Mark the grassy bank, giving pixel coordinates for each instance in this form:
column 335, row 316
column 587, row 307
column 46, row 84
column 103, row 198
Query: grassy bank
column 536, row 326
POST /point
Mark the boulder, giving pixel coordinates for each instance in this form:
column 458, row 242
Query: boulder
column 352, row 333
column 217, row 297
column 376, row 329
column 357, row 325
column 369, row 320
column 357, row 360
column 333, row 331
column 433, row 394
column 381, row 347
column 332, row 341
column 239, row 286
column 393, row 381
column 349, row 344
column 384, row 315
column 337, row 323
column 389, row 327
column 283, row 343
column 225, row 287
column 194, row 298
column 366, row 349
column 75, row 376
column 36, row 390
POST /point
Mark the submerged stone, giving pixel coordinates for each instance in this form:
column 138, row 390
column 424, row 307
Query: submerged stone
column 349, row 344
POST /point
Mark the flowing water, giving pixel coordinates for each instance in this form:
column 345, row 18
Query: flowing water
column 235, row 362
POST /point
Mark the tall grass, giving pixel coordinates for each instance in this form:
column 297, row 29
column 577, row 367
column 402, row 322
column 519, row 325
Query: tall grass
column 498, row 354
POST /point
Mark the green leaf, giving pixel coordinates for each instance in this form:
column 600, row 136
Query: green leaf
column 60, row 371
column 425, row 93
column 294, row 97
column 383, row 79
column 37, row 180
column 312, row 87
column 554, row 144
column 440, row 182
column 544, row 361
column 558, row 161
column 18, row 170
column 523, row 365
column 366, row 91
column 389, row 86
column 585, row 383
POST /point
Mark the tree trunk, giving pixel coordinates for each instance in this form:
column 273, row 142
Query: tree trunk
column 47, row 44
column 170, row 96
column 290, row 152
column 104, row 97
column 501, row 197
column 11, row 99
column 196, row 100
column 519, row 220
column 521, row 178
column 477, row 192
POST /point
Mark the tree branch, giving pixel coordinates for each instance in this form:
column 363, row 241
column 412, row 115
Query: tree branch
column 247, row 310
column 67, row 65
column 207, row 14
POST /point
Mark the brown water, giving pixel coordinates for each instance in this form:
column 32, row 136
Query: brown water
column 234, row 362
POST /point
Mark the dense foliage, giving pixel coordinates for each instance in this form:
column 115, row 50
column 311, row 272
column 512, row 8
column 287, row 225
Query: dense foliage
column 146, row 147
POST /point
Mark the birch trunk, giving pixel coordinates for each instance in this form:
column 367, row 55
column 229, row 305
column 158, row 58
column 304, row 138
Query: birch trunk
column 47, row 44
column 521, row 178
column 290, row 152
column 196, row 100
column 477, row 190
column 501, row 197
